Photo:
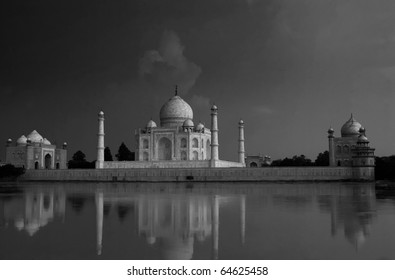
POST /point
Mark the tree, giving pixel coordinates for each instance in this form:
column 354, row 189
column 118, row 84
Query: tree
column 11, row 171
column 294, row 161
column 79, row 161
column 322, row 159
column 107, row 154
column 79, row 156
column 124, row 154
column 384, row 169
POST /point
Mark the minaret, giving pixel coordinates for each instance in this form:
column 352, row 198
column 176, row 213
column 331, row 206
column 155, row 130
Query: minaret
column 241, row 143
column 9, row 142
column 331, row 140
column 100, row 142
column 214, row 136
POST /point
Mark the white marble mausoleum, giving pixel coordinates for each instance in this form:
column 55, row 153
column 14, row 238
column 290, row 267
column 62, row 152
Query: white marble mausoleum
column 177, row 142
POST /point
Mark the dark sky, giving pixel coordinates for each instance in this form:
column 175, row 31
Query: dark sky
column 289, row 68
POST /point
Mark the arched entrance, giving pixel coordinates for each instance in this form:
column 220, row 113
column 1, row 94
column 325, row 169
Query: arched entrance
column 253, row 164
column 195, row 155
column 48, row 161
column 164, row 149
column 36, row 165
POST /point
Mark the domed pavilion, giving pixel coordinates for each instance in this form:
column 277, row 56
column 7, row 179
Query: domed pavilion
column 35, row 152
column 352, row 148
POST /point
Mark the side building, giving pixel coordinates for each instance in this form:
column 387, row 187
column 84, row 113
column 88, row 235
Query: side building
column 258, row 161
column 352, row 149
column 35, row 152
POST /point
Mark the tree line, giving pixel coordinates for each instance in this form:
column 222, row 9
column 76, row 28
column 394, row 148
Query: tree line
column 79, row 158
column 321, row 160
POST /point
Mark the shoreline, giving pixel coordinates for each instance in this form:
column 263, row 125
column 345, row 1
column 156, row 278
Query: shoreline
column 270, row 174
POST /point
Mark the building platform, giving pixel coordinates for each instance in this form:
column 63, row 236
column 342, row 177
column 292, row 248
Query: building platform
column 204, row 174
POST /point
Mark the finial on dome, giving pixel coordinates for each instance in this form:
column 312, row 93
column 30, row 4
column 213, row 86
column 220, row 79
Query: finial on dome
column 176, row 91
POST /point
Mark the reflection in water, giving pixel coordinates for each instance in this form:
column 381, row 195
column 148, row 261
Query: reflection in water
column 175, row 221
column 354, row 212
column 77, row 202
column 34, row 210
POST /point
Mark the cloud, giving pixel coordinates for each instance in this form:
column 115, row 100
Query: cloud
column 168, row 66
column 264, row 110
column 251, row 2
column 350, row 38
column 200, row 102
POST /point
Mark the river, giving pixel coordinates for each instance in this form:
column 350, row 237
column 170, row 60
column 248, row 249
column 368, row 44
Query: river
column 195, row 221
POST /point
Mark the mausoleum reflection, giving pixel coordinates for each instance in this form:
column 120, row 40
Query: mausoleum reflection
column 173, row 222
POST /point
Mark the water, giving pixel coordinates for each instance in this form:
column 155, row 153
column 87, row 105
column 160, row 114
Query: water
column 195, row 221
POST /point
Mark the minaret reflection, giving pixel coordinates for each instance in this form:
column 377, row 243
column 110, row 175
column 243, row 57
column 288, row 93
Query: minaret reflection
column 215, row 213
column 99, row 201
column 173, row 222
column 242, row 218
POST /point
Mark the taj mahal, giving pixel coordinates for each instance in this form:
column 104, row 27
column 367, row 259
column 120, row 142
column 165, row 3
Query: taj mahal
column 176, row 143
column 178, row 149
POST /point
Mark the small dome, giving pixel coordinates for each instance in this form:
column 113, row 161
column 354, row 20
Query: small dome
column 21, row 140
column 363, row 139
column 46, row 141
column 151, row 124
column 35, row 137
column 188, row 123
column 351, row 128
column 9, row 140
column 200, row 127
column 214, row 107
column 362, row 130
column 174, row 112
column 331, row 130
column 101, row 114
column 241, row 122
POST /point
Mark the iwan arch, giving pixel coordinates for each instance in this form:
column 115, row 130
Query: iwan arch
column 176, row 143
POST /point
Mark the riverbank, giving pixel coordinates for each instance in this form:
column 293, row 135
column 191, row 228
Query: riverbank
column 204, row 174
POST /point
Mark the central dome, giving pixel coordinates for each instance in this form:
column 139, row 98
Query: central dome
column 35, row 137
column 174, row 112
column 351, row 128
